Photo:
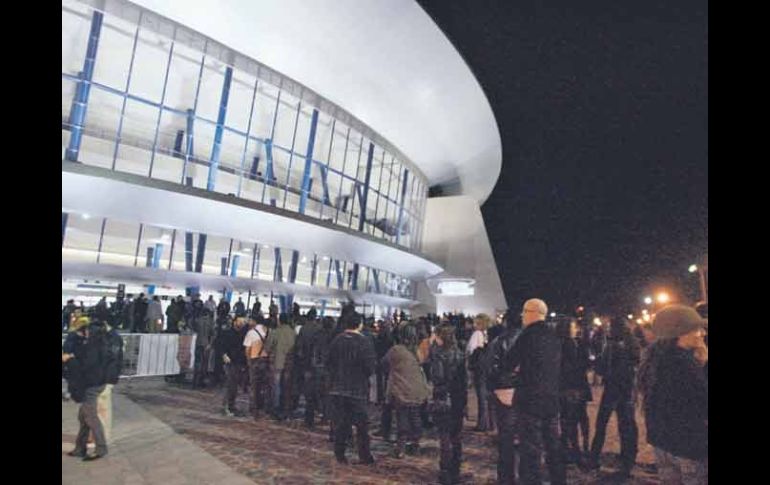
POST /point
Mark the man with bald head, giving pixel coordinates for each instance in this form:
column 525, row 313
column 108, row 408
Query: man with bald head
column 537, row 356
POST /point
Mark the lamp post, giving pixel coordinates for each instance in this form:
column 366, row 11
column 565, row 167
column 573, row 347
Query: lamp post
column 702, row 270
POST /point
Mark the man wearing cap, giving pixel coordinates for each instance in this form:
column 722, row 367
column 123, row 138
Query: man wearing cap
column 537, row 355
column 674, row 389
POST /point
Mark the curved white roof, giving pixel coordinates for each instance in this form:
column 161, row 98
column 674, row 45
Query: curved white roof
column 385, row 62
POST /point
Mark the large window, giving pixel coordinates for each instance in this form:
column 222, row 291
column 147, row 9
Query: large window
column 167, row 103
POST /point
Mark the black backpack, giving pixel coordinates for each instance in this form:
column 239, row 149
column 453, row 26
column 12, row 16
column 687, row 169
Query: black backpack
column 491, row 364
column 114, row 344
column 476, row 358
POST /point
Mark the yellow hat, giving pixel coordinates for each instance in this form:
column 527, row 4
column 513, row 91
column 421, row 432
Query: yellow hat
column 79, row 323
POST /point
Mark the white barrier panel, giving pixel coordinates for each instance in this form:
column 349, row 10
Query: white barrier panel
column 160, row 354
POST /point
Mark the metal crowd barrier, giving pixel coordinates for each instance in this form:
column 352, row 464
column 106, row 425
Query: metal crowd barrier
column 160, row 354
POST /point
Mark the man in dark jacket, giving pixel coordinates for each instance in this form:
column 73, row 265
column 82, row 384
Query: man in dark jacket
column 174, row 313
column 350, row 363
column 234, row 358
column 618, row 370
column 203, row 325
column 223, row 309
column 139, row 315
column 239, row 308
column 91, row 371
column 502, row 386
column 537, row 355
column 675, row 393
column 311, row 351
column 446, row 371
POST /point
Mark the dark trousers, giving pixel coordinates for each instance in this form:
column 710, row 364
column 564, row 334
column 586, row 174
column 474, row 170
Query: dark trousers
column 381, row 378
column 236, row 374
column 259, row 384
column 201, row 370
column 620, row 401
column 386, row 420
column 507, row 445
column 219, row 370
column 314, row 392
column 537, row 435
column 482, row 399
column 350, row 412
column 573, row 414
column 449, row 425
column 90, row 422
column 409, row 424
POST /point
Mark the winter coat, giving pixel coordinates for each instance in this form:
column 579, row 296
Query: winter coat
column 537, row 354
column 279, row 343
column 676, row 404
column 406, row 381
column 446, row 369
column 350, row 363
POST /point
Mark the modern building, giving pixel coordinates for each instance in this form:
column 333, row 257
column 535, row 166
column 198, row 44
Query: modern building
column 279, row 148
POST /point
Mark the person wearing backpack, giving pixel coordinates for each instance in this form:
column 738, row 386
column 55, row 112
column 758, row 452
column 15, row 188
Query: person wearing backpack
column 475, row 351
column 502, row 385
column 258, row 365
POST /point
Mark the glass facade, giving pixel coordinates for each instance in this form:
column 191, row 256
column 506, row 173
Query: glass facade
column 143, row 95
column 110, row 241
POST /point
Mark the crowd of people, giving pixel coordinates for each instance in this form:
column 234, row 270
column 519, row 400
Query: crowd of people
column 530, row 376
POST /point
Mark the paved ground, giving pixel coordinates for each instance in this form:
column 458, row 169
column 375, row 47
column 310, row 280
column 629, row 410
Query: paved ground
column 169, row 434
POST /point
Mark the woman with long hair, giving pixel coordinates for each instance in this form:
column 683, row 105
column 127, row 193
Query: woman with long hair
column 449, row 377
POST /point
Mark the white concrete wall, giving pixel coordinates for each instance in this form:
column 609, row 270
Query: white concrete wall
column 456, row 238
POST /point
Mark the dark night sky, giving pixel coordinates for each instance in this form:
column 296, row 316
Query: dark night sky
column 603, row 115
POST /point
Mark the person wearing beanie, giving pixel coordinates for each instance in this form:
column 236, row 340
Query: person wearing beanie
column 674, row 391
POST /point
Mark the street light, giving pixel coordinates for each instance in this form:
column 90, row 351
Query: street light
column 663, row 297
column 648, row 300
column 701, row 269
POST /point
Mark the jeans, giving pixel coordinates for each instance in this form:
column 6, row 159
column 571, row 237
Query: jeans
column 409, row 424
column 90, row 423
column 507, row 443
column 537, row 435
column 482, row 399
column 674, row 470
column 449, row 425
column 259, row 384
column 236, row 374
column 279, row 385
column 620, row 401
column 348, row 412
